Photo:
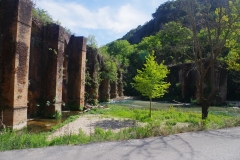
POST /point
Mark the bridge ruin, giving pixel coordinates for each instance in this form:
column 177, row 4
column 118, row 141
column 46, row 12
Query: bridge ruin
column 41, row 66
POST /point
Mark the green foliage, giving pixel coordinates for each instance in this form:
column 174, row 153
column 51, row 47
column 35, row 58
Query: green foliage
column 150, row 81
column 58, row 114
column 163, row 122
column 46, row 18
column 176, row 41
column 120, row 49
column 110, row 66
column 11, row 140
column 81, row 138
column 91, row 41
column 43, row 15
column 110, row 69
column 194, row 101
column 233, row 41
column 150, row 43
column 68, row 120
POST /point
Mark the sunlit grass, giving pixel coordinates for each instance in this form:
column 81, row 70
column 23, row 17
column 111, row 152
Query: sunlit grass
column 164, row 121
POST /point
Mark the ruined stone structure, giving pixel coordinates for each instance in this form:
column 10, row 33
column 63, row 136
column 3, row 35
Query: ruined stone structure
column 183, row 80
column 98, row 89
column 92, row 71
column 76, row 72
column 120, row 84
column 41, row 66
column 14, row 57
column 114, row 89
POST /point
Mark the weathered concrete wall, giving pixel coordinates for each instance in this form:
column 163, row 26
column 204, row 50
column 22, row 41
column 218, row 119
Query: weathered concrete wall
column 16, row 19
column 93, row 66
column 76, row 72
column 114, row 89
column 120, row 84
column 183, row 83
column 44, row 85
column 97, row 87
column 222, row 86
column 183, row 79
column 104, row 91
column 35, row 69
column 54, row 51
column 65, row 75
column 48, row 69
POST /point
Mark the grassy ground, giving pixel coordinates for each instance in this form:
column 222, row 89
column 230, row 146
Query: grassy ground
column 168, row 120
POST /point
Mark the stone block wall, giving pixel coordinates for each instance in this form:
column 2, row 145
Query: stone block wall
column 183, row 79
column 15, row 28
column 76, row 72
column 33, row 65
column 93, row 66
column 98, row 89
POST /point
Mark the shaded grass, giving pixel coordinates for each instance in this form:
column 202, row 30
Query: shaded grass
column 68, row 120
column 11, row 140
column 163, row 122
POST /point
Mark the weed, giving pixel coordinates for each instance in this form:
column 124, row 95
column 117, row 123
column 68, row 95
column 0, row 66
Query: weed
column 163, row 122
column 68, row 120
column 19, row 140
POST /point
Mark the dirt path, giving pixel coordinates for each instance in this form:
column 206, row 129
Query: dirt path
column 87, row 123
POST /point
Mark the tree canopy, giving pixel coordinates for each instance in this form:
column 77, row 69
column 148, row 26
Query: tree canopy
column 150, row 80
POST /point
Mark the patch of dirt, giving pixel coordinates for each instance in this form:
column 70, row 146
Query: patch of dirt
column 87, row 123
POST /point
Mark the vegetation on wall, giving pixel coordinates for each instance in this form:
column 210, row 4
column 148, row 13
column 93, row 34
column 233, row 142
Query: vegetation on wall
column 46, row 18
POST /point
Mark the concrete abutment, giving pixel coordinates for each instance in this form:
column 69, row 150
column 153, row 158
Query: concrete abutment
column 16, row 21
column 34, row 66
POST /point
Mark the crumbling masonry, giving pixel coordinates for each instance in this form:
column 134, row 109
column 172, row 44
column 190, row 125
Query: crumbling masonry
column 40, row 65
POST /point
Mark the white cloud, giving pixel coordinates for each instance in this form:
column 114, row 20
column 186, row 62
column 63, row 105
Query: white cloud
column 156, row 3
column 76, row 16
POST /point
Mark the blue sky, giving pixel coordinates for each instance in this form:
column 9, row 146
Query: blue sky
column 107, row 20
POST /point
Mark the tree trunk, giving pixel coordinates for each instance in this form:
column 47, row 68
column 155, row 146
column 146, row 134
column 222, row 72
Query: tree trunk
column 150, row 113
column 205, row 107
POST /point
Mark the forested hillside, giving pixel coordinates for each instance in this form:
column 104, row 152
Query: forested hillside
column 169, row 11
column 199, row 37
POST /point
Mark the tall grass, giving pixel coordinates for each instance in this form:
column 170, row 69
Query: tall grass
column 11, row 140
column 162, row 123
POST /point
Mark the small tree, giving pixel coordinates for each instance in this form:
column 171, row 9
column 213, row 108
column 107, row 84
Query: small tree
column 91, row 41
column 150, row 80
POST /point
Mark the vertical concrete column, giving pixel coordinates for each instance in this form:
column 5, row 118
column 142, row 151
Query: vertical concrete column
column 54, row 70
column 76, row 72
column 221, row 75
column 104, row 89
column 120, row 84
column 93, row 65
column 223, row 85
column 16, row 20
column 65, row 75
column 35, row 66
column 114, row 90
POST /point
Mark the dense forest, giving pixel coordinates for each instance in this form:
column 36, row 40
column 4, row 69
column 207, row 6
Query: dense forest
column 199, row 32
